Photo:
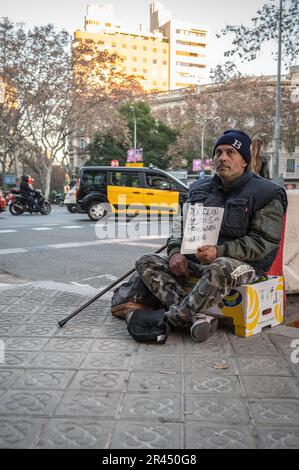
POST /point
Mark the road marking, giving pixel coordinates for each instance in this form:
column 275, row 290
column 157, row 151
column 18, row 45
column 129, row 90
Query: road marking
column 80, row 285
column 72, row 226
column 14, row 226
column 13, row 250
column 41, row 228
column 53, row 224
column 150, row 245
column 7, row 231
column 60, row 246
column 140, row 241
column 106, row 276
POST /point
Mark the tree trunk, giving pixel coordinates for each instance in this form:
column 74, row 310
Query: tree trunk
column 48, row 180
column 17, row 166
column 4, row 166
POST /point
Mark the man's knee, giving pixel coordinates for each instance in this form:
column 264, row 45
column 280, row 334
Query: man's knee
column 152, row 262
column 140, row 262
column 144, row 262
column 228, row 271
column 219, row 272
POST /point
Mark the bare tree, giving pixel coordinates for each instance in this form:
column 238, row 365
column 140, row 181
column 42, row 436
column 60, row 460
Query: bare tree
column 248, row 41
column 58, row 87
column 224, row 72
column 244, row 103
column 11, row 41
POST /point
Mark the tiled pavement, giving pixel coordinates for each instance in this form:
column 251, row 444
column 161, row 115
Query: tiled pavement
column 89, row 385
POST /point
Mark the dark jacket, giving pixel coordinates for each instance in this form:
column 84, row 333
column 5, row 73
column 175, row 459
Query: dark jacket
column 26, row 189
column 264, row 171
column 252, row 222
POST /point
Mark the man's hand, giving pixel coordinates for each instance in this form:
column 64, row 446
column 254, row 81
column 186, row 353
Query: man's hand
column 178, row 265
column 206, row 254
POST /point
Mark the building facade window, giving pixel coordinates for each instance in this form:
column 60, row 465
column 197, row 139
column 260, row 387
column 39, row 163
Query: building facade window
column 154, row 61
column 82, row 144
column 290, row 165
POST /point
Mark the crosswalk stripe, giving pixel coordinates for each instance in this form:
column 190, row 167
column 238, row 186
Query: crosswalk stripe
column 13, row 250
column 7, row 231
column 42, row 228
column 72, row 226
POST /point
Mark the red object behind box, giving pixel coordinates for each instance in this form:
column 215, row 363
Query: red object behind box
column 276, row 268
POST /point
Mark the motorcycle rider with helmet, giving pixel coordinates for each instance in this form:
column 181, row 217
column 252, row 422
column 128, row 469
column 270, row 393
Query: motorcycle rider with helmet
column 28, row 192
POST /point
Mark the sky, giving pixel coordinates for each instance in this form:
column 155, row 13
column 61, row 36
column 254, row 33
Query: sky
column 216, row 14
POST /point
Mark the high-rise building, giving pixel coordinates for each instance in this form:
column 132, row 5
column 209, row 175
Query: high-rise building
column 144, row 54
column 187, row 47
column 172, row 54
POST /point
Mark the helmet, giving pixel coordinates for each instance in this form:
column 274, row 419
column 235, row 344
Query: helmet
column 25, row 178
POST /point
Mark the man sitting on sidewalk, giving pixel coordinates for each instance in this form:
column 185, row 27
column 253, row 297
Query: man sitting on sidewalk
column 248, row 242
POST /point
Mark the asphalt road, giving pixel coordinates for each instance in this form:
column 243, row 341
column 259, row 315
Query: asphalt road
column 69, row 248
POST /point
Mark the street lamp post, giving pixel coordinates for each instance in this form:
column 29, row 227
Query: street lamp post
column 203, row 137
column 275, row 162
column 135, row 126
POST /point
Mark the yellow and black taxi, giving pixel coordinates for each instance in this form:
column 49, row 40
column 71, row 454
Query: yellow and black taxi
column 131, row 190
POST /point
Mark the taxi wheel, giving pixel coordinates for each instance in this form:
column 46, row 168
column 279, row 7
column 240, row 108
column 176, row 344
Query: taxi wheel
column 71, row 209
column 98, row 210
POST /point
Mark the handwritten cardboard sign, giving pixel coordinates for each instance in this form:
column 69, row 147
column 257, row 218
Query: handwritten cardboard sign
column 202, row 227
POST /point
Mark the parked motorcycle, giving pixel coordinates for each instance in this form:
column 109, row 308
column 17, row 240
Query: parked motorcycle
column 18, row 205
column 58, row 199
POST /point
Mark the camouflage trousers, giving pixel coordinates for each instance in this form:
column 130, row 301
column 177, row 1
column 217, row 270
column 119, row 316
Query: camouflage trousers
column 206, row 286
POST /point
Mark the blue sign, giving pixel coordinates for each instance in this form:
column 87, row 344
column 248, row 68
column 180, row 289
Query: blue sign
column 9, row 180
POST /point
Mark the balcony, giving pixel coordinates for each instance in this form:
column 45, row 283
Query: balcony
column 191, row 38
column 189, row 61
column 190, row 69
column 192, row 49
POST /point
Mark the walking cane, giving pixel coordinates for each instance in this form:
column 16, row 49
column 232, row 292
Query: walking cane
column 61, row 323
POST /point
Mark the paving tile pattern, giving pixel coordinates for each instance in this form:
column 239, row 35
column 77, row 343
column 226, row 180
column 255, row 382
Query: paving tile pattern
column 89, row 385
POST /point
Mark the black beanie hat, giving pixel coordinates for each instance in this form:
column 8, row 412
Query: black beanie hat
column 237, row 139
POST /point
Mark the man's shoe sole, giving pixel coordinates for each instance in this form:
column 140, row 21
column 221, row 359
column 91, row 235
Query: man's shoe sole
column 202, row 331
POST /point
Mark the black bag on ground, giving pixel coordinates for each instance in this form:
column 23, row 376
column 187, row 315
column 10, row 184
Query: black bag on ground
column 133, row 295
column 148, row 327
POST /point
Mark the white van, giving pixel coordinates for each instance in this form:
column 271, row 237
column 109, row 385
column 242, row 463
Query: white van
column 70, row 200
